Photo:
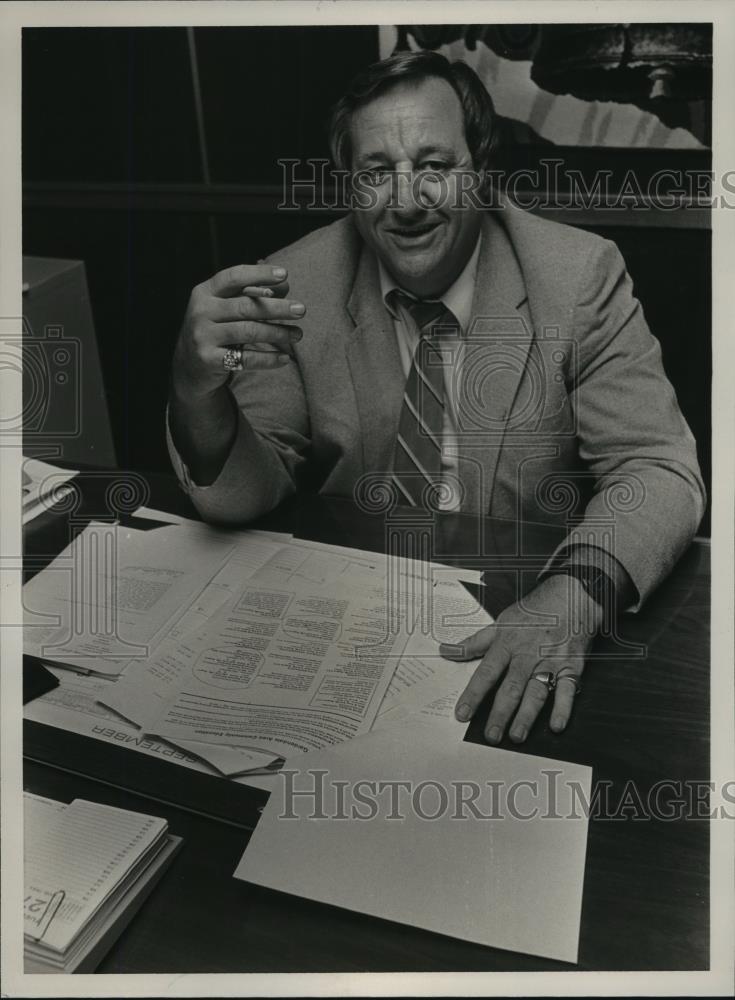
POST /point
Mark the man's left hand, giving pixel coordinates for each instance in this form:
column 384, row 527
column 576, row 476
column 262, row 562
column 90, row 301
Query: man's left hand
column 550, row 629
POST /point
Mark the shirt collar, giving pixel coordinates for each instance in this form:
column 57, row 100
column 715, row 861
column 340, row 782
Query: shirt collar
column 458, row 297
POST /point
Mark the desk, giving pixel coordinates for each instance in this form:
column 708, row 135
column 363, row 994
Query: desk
column 640, row 720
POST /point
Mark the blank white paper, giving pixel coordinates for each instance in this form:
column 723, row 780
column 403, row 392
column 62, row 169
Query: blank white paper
column 506, row 882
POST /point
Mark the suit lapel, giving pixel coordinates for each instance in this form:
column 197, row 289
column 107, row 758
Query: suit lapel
column 495, row 356
column 375, row 366
column 494, row 361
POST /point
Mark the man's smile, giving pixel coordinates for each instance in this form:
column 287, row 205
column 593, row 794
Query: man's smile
column 418, row 234
column 416, row 224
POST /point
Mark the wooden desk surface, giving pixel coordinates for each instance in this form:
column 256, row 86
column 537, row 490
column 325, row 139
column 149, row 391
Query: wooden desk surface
column 641, row 719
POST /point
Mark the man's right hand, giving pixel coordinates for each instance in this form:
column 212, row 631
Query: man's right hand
column 243, row 306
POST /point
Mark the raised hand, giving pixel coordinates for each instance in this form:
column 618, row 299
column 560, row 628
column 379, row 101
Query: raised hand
column 243, row 307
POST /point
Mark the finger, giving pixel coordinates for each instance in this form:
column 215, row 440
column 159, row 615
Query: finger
column 263, row 348
column 533, row 700
column 506, row 701
column 257, row 307
column 250, row 333
column 280, row 290
column 470, row 648
column 483, row 679
column 232, row 280
column 259, row 346
column 252, row 360
column 566, row 689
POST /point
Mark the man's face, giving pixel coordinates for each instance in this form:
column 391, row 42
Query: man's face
column 410, row 141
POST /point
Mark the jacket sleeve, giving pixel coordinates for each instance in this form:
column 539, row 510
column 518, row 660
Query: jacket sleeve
column 269, row 448
column 647, row 492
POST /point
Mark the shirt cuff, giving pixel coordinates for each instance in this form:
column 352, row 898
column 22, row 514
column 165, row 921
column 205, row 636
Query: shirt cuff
column 627, row 596
column 180, row 468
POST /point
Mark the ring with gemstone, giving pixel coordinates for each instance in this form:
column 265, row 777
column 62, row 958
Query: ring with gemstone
column 546, row 677
column 232, row 359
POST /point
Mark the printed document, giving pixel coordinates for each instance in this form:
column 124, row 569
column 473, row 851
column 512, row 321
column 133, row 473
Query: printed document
column 76, row 706
column 282, row 669
column 114, row 593
column 423, row 675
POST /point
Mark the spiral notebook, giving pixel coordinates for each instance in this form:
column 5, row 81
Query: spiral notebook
column 88, row 868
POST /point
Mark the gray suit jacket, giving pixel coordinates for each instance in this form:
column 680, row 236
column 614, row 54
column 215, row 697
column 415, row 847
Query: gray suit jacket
column 565, row 413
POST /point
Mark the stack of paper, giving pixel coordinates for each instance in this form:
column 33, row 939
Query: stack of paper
column 301, row 656
column 242, row 648
column 88, row 867
column 115, row 593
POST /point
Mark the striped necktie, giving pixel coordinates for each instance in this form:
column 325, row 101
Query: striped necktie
column 418, row 449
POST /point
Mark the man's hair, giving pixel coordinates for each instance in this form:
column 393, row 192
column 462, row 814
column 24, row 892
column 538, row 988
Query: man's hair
column 413, row 67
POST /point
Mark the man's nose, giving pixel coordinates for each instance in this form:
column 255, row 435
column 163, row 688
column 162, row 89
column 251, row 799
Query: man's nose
column 408, row 197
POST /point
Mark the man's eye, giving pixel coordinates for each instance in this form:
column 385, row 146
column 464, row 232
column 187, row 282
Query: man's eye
column 434, row 166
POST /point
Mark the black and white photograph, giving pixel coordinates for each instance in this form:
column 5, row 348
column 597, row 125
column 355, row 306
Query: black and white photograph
column 366, row 433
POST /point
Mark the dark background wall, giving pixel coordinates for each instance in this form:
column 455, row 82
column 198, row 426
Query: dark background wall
column 114, row 175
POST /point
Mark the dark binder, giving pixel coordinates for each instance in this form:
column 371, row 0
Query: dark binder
column 37, row 680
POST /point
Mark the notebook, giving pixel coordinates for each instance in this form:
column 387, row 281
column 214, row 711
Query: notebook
column 88, row 867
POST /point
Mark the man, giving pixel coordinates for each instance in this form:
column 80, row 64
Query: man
column 551, row 402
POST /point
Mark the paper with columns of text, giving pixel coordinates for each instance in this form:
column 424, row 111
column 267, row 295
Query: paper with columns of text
column 281, row 669
column 115, row 592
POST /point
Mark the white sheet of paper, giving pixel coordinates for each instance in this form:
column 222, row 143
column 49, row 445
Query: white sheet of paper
column 505, row 882
column 378, row 559
column 423, row 675
column 152, row 514
column 73, row 707
column 229, row 761
column 433, row 697
column 109, row 596
column 115, row 593
column 454, row 615
column 42, row 486
column 46, row 502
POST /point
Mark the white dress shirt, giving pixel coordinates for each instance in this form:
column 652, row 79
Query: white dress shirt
column 458, row 299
